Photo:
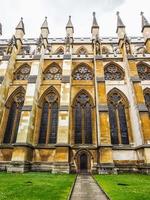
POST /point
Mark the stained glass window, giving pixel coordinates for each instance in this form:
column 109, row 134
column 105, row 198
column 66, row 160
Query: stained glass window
column 49, row 119
column 113, row 72
column 53, row 72
column 13, row 120
column 23, row 72
column 83, row 119
column 147, row 98
column 143, row 71
column 117, row 117
column 82, row 72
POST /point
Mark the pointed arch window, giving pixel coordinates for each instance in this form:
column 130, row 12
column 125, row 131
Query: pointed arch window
column 60, row 51
column 82, row 51
column 82, row 111
column 82, row 72
column 143, row 71
column 113, row 72
column 117, row 105
column 23, row 72
column 147, row 98
column 15, row 107
column 49, row 119
column 53, row 72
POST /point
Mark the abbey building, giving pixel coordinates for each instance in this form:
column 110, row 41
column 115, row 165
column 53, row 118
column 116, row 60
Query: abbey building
column 70, row 104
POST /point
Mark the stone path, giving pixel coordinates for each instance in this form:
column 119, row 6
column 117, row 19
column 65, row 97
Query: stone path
column 86, row 189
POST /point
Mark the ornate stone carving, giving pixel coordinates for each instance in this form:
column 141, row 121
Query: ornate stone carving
column 113, row 72
column 82, row 72
column 22, row 73
column 143, row 71
column 54, row 72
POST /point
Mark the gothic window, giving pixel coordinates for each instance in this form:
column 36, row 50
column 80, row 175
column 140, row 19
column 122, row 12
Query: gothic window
column 49, row 119
column 82, row 72
column 117, row 105
column 147, row 98
column 143, row 71
column 82, row 51
column 53, row 72
column 60, row 51
column 23, row 72
column 82, row 111
column 113, row 72
column 13, row 120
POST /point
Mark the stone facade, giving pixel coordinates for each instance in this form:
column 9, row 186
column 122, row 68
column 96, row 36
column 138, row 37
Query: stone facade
column 91, row 94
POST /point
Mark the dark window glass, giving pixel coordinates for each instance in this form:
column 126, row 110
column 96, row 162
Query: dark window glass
column 113, row 124
column 88, row 124
column 123, row 124
column 78, row 124
column 44, row 121
column 53, row 123
column 10, row 123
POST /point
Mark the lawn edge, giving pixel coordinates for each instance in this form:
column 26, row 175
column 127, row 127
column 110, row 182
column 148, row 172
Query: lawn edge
column 101, row 188
column 72, row 188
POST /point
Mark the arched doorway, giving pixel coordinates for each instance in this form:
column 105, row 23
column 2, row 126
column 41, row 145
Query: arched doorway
column 83, row 163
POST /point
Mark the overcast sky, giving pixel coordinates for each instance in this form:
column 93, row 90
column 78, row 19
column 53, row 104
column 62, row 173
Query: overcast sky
column 57, row 11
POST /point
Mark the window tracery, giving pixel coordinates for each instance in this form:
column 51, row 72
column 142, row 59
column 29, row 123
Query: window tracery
column 113, row 72
column 117, row 117
column 13, row 120
column 83, row 119
column 82, row 72
column 23, row 72
column 49, row 119
column 53, row 72
column 143, row 71
column 82, row 51
column 147, row 98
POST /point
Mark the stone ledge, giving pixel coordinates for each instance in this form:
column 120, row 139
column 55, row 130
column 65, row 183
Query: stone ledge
column 102, row 108
column 26, row 108
column 67, row 57
column 100, row 79
column 65, row 79
column 142, row 108
column 135, row 79
column 64, row 108
column 32, row 79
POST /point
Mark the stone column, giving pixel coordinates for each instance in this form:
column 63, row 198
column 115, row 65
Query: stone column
column 62, row 146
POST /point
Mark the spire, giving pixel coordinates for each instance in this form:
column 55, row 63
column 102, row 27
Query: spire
column 45, row 25
column 95, row 24
column 21, row 26
column 69, row 24
column 119, row 22
column 145, row 22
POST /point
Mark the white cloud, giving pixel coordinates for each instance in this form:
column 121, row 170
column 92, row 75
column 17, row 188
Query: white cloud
column 57, row 11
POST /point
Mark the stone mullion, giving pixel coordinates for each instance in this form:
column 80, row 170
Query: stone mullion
column 48, row 125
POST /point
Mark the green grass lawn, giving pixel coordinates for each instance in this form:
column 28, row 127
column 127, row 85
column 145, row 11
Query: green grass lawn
column 125, row 186
column 35, row 186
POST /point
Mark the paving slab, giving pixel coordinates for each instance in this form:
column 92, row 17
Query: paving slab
column 86, row 189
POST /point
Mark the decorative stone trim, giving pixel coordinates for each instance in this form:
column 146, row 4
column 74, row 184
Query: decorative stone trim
column 98, row 57
column 100, row 79
column 102, row 108
column 6, row 146
column 23, row 145
column 32, row 79
column 142, row 108
column 37, row 57
column 1, row 79
column 64, row 108
column 26, row 108
column 6, row 57
column 135, row 79
column 67, row 56
column 65, row 79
